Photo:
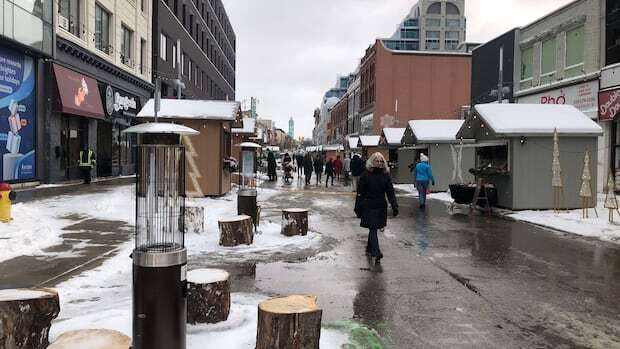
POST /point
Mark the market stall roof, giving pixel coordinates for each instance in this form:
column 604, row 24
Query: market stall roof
column 273, row 148
column 432, row 131
column 353, row 142
column 393, row 136
column 368, row 141
column 161, row 127
column 334, row 147
column 191, row 109
column 249, row 127
column 515, row 120
column 249, row 145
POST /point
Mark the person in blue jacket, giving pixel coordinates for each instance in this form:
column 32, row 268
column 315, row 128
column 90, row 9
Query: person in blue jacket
column 423, row 177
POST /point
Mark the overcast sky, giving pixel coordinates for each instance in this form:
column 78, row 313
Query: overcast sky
column 289, row 52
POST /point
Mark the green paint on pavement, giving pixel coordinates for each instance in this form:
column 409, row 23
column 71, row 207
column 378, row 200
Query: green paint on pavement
column 360, row 336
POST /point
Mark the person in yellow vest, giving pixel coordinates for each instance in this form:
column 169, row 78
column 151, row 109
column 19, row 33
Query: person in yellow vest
column 87, row 162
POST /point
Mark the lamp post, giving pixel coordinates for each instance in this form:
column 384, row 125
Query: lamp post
column 246, row 196
column 159, row 256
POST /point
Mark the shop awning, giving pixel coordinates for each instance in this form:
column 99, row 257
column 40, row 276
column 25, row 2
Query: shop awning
column 432, row 131
column 79, row 94
column 514, row 120
column 393, row 136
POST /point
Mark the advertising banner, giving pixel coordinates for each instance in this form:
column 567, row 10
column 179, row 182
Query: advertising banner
column 17, row 115
column 79, row 94
column 582, row 96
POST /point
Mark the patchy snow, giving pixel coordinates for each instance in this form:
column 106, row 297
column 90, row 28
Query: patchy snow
column 428, row 131
column 191, row 109
column 571, row 221
column 538, row 119
column 38, row 225
column 207, row 276
column 407, row 188
column 16, row 295
column 353, row 142
column 369, row 141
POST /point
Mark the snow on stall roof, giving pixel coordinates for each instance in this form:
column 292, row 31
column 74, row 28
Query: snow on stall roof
column 393, row 136
column 333, row 147
column 191, row 109
column 161, row 127
column 249, row 145
column 536, row 119
column 435, row 130
column 369, row 141
column 207, row 276
column 353, row 142
column 249, row 126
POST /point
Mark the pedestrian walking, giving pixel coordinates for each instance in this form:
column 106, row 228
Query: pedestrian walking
column 329, row 172
column 338, row 167
column 357, row 168
column 370, row 205
column 346, row 167
column 318, row 168
column 271, row 167
column 87, row 162
column 299, row 159
column 423, row 177
column 308, row 167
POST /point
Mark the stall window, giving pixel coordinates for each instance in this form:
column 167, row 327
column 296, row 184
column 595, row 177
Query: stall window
column 495, row 156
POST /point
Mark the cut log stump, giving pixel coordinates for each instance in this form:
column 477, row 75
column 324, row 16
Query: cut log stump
column 194, row 219
column 92, row 339
column 236, row 231
column 289, row 322
column 208, row 296
column 26, row 317
column 295, row 222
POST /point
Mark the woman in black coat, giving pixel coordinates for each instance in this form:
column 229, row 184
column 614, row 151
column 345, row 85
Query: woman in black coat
column 308, row 167
column 271, row 166
column 370, row 205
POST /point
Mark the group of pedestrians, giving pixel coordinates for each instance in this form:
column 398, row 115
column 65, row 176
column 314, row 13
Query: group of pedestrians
column 333, row 169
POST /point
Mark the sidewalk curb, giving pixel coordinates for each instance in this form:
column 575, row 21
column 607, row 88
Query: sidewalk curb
column 36, row 193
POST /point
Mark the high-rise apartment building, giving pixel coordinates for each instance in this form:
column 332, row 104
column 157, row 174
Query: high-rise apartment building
column 195, row 38
column 431, row 25
column 291, row 128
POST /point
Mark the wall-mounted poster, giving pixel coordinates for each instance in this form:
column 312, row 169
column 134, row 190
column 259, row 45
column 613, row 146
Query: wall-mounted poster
column 17, row 115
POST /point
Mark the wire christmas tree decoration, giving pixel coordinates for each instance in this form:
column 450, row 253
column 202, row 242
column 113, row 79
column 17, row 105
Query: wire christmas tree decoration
column 611, row 201
column 556, row 169
column 586, row 188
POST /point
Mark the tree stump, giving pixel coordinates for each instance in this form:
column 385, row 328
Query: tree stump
column 194, row 219
column 295, row 222
column 289, row 322
column 236, row 231
column 92, row 339
column 208, row 296
column 26, row 317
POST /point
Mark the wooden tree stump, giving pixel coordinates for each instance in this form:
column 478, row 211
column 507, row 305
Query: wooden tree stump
column 236, row 231
column 295, row 222
column 208, row 296
column 194, row 219
column 289, row 322
column 92, row 339
column 26, row 317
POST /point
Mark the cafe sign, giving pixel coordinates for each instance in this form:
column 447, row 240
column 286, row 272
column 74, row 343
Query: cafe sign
column 609, row 104
column 583, row 96
column 119, row 103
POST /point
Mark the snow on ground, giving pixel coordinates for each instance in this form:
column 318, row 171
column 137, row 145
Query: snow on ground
column 571, row 221
column 37, row 225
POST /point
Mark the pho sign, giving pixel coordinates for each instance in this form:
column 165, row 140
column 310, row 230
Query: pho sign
column 582, row 96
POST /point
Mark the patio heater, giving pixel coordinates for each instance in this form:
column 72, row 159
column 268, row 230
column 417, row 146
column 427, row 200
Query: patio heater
column 160, row 257
column 246, row 196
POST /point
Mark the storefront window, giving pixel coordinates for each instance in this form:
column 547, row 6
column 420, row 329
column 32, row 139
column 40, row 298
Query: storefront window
column 574, row 52
column 527, row 63
column 547, row 62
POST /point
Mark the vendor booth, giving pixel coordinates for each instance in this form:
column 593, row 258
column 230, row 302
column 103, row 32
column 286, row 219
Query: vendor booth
column 392, row 138
column 370, row 145
column 514, row 152
column 208, row 156
column 450, row 158
column 333, row 151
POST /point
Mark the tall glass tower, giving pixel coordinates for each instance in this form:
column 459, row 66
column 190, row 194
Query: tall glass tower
column 291, row 128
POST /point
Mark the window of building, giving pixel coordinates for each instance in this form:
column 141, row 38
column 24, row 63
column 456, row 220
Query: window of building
column 175, row 8
column 174, row 55
column 191, row 25
column 102, row 29
column 196, row 72
column 126, row 36
column 432, row 34
column 189, row 69
column 434, row 9
column 411, row 22
column 182, row 64
column 70, row 12
column 433, row 22
column 184, row 14
column 143, row 5
column 527, row 65
column 452, row 35
column 574, row 52
column 410, row 33
column 432, row 44
column 547, row 61
column 453, row 23
column 452, row 9
column 451, row 45
column 143, row 56
column 163, row 47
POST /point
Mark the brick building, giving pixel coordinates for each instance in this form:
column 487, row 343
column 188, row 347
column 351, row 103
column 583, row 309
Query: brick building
column 398, row 86
column 337, row 127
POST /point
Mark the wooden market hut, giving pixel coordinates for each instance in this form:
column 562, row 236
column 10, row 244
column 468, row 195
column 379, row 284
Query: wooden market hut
column 332, row 151
column 209, row 162
column 391, row 138
column 515, row 143
column 370, row 145
column 450, row 158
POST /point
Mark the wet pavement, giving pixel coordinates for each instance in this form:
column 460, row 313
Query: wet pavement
column 447, row 281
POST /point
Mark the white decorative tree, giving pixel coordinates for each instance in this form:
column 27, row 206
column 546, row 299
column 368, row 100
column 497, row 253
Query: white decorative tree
column 556, row 169
column 586, row 187
column 611, row 201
